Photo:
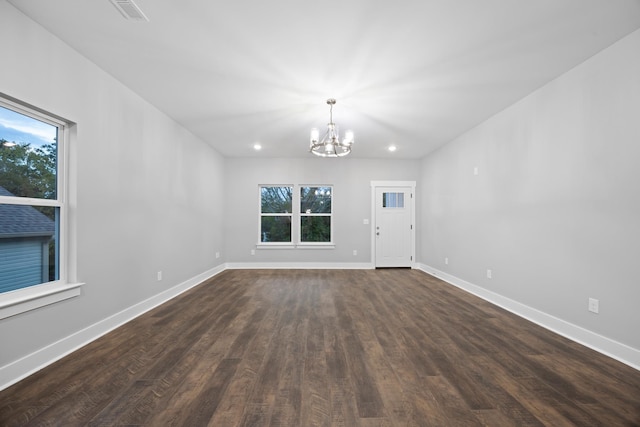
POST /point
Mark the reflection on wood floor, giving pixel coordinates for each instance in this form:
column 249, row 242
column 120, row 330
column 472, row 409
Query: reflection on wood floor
column 328, row 348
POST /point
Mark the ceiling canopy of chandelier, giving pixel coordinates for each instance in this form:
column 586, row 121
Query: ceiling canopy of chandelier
column 330, row 144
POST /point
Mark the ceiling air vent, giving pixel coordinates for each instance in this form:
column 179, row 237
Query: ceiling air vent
column 129, row 10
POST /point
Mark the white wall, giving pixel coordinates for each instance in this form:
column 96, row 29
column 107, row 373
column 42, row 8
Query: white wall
column 147, row 193
column 555, row 208
column 351, row 178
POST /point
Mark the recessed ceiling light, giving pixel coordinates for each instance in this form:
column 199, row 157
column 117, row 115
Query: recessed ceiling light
column 257, row 147
column 392, row 148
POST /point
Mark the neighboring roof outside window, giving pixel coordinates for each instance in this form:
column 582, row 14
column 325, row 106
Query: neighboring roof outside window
column 23, row 220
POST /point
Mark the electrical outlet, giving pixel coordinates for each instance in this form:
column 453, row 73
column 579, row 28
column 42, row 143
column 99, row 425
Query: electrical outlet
column 159, row 276
column 355, row 252
column 489, row 274
column 253, row 251
column 594, row 305
column 365, row 221
column 217, row 254
column 446, row 261
column 475, row 170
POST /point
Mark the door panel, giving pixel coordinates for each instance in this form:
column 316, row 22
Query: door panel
column 394, row 230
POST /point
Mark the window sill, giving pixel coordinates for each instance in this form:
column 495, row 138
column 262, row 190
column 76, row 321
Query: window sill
column 296, row 246
column 275, row 246
column 316, row 246
column 33, row 297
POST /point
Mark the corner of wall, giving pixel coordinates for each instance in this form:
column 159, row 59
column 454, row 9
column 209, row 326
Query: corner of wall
column 618, row 351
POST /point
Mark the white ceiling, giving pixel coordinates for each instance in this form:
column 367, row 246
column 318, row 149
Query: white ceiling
column 414, row 73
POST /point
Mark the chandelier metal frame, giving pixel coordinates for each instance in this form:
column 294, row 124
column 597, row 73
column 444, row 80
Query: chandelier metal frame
column 330, row 144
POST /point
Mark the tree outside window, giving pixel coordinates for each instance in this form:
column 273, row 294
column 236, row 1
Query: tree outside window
column 315, row 214
column 276, row 214
column 29, row 229
column 310, row 223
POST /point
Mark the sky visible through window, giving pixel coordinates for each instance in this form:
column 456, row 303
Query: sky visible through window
column 18, row 128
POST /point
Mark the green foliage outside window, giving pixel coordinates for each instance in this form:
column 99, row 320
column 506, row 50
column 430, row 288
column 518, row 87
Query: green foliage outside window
column 315, row 229
column 275, row 201
column 315, row 214
column 277, row 216
column 28, row 172
column 276, row 229
column 31, row 172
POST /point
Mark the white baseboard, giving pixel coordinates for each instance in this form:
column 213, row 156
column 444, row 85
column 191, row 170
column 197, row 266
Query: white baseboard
column 621, row 352
column 301, row 265
column 31, row 363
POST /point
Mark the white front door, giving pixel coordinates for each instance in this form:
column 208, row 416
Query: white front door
column 393, row 226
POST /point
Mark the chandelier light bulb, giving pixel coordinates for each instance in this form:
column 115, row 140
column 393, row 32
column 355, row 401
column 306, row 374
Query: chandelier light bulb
column 348, row 137
column 315, row 134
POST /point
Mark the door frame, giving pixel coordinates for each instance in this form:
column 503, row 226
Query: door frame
column 398, row 184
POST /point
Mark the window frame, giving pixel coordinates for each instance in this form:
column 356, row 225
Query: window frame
column 296, row 223
column 31, row 297
column 276, row 214
column 394, row 202
column 300, row 214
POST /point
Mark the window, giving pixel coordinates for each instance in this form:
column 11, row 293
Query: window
column 393, row 200
column 310, row 224
column 315, row 214
column 275, row 214
column 32, row 208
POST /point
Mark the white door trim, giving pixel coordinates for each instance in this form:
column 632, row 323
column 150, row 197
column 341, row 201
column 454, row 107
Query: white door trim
column 376, row 184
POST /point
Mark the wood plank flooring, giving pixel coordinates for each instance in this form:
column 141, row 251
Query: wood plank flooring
column 327, row 348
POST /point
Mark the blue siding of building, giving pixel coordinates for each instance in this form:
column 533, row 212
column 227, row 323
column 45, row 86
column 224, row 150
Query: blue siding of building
column 20, row 263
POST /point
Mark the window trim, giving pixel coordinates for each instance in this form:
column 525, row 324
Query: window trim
column 296, row 216
column 43, row 294
column 291, row 215
column 300, row 243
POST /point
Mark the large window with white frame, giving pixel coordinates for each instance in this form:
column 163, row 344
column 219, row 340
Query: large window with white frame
column 32, row 207
column 276, row 214
column 310, row 223
column 316, row 214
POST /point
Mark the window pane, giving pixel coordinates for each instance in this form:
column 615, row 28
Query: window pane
column 315, row 200
column 393, row 200
column 28, row 246
column 275, row 229
column 28, row 155
column 315, row 229
column 275, row 199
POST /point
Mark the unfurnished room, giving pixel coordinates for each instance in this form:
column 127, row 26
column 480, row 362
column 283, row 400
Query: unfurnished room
column 292, row 213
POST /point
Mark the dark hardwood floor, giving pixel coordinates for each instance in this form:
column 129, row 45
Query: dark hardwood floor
column 328, row 348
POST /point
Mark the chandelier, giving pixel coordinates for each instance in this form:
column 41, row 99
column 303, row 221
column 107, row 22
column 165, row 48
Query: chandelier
column 330, row 144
